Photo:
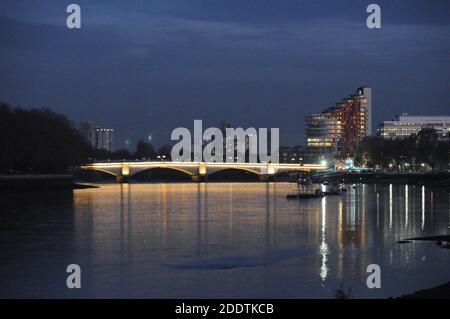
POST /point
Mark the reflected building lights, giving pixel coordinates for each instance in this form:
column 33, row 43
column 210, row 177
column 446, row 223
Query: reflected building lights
column 406, row 206
column 431, row 205
column 390, row 206
column 163, row 216
column 423, row 207
column 340, row 267
column 323, row 249
column 340, row 222
column 353, row 208
column 378, row 210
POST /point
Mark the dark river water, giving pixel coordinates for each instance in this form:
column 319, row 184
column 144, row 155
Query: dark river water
column 221, row 240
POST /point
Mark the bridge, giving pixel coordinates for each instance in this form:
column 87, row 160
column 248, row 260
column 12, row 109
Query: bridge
column 198, row 170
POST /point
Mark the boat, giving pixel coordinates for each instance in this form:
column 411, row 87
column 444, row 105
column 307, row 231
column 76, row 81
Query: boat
column 333, row 192
column 317, row 194
column 336, row 189
column 305, row 196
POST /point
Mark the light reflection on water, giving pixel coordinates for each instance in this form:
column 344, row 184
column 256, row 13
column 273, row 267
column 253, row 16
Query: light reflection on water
column 221, row 240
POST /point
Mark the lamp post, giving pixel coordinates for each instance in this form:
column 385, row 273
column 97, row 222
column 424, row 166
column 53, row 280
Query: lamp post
column 161, row 158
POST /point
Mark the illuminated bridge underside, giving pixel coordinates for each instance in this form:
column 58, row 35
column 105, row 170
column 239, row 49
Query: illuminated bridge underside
column 198, row 170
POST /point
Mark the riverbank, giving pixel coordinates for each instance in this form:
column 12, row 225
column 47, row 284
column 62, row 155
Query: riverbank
column 40, row 182
column 438, row 292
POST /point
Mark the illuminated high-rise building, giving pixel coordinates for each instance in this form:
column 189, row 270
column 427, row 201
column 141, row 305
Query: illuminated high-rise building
column 104, row 139
column 367, row 104
column 337, row 130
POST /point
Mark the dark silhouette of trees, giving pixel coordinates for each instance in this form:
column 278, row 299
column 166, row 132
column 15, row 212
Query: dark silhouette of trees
column 428, row 148
column 165, row 150
column 122, row 154
column 38, row 141
column 410, row 153
column 145, row 150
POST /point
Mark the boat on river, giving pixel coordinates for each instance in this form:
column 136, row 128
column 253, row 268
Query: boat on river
column 336, row 189
column 305, row 195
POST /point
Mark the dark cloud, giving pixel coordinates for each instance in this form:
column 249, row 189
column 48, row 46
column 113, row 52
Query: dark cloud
column 146, row 67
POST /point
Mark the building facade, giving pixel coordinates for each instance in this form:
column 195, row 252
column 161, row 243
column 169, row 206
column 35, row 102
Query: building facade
column 291, row 155
column 367, row 104
column 336, row 131
column 97, row 137
column 405, row 125
column 104, row 139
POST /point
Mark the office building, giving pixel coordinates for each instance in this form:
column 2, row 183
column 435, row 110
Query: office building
column 405, row 125
column 98, row 137
column 291, row 155
column 104, row 139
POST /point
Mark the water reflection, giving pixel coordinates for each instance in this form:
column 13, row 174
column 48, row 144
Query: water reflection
column 323, row 249
column 423, row 207
column 226, row 240
column 406, row 206
column 390, row 206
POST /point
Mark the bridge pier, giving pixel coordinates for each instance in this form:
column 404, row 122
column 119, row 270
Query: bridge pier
column 198, row 178
column 122, row 179
column 267, row 178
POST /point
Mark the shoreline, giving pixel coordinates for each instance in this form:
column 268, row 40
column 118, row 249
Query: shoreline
column 437, row 292
column 41, row 182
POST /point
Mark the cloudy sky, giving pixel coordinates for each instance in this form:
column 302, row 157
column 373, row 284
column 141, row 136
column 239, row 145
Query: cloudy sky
column 147, row 67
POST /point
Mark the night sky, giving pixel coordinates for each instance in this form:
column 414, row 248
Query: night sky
column 147, row 67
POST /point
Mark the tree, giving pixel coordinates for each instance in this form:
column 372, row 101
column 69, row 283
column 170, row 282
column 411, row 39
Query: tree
column 145, row 150
column 165, row 150
column 409, row 152
column 122, row 154
column 39, row 141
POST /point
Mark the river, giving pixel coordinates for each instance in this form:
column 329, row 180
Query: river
column 221, row 240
